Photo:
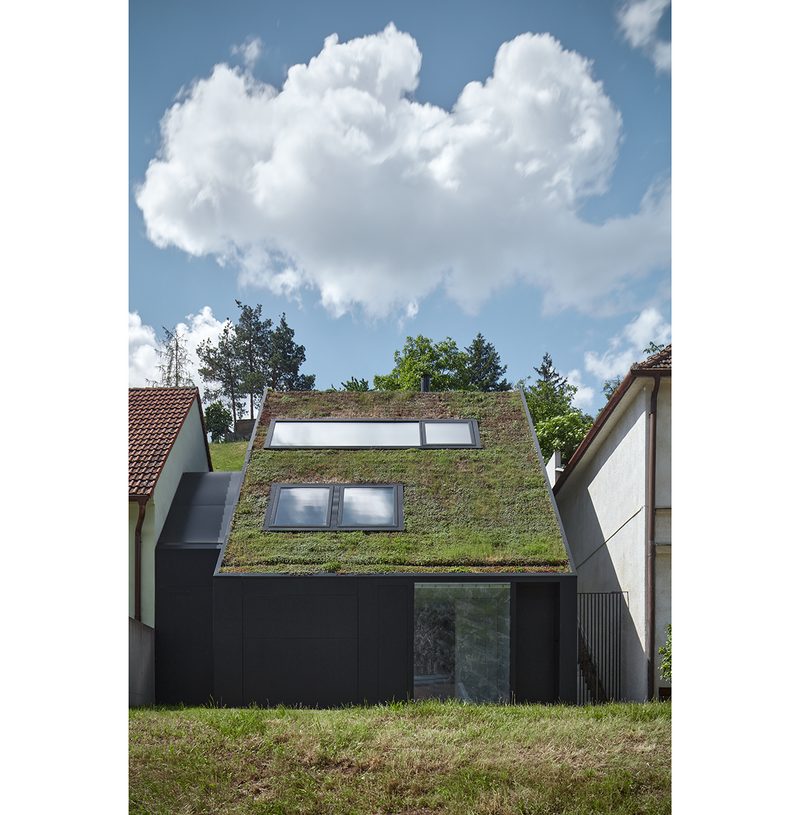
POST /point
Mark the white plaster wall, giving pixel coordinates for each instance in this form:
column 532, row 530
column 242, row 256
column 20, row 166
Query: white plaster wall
column 664, row 445
column 188, row 455
column 603, row 509
column 148, row 561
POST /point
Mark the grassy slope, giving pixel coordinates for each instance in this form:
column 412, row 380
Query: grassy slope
column 414, row 758
column 465, row 510
column 227, row 456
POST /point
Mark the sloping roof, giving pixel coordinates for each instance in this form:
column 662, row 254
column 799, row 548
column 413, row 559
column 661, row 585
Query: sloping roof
column 155, row 417
column 465, row 510
column 661, row 362
column 657, row 364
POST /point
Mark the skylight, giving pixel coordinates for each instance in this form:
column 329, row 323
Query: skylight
column 372, row 433
column 343, row 507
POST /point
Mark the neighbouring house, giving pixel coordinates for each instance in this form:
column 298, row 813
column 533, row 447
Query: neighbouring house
column 615, row 499
column 166, row 438
column 377, row 546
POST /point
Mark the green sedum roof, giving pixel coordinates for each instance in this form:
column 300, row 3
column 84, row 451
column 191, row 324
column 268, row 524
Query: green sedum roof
column 465, row 510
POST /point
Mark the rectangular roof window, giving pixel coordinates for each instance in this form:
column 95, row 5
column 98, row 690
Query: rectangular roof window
column 372, row 433
column 343, row 507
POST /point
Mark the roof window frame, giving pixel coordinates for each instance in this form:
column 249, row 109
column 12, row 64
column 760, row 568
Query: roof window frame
column 472, row 424
column 335, row 508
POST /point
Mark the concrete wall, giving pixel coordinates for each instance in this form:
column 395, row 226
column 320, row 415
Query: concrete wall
column 603, row 506
column 188, row 455
column 141, row 664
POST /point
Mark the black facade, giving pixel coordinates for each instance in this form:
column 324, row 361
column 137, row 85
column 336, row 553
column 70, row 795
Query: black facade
column 330, row 640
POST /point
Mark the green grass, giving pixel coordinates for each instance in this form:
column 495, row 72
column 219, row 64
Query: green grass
column 464, row 510
column 228, row 455
column 441, row 757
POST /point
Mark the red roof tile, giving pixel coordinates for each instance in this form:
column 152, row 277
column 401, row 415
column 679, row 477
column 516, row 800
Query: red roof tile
column 155, row 417
column 662, row 361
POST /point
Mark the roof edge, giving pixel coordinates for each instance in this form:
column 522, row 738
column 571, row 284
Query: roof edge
column 132, row 496
column 604, row 415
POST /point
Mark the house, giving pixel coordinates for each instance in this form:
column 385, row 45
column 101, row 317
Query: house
column 379, row 546
column 166, row 438
column 614, row 496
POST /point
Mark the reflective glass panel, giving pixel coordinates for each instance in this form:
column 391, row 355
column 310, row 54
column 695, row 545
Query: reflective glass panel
column 303, row 506
column 368, row 506
column 462, row 641
column 447, row 433
column 346, row 434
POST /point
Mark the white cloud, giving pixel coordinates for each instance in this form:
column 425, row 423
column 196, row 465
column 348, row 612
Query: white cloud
column 144, row 344
column 250, row 51
column 628, row 347
column 638, row 20
column 584, row 396
column 340, row 183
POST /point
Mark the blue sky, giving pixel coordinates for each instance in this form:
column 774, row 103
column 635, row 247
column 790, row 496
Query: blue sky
column 533, row 208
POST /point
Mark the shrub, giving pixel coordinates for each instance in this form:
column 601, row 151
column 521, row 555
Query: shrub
column 666, row 656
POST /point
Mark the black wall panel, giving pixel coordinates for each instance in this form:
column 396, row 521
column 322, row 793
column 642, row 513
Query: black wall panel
column 315, row 672
column 537, row 642
column 333, row 640
column 184, row 657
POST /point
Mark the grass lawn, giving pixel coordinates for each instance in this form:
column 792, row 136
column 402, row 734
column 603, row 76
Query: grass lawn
column 422, row 757
column 228, row 455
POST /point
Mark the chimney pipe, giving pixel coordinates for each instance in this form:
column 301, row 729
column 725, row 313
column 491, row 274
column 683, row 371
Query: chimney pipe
column 425, row 387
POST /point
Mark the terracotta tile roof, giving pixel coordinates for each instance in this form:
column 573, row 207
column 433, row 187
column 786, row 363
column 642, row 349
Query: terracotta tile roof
column 155, row 417
column 662, row 361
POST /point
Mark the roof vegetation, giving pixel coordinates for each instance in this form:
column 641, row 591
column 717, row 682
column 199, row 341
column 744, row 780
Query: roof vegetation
column 465, row 510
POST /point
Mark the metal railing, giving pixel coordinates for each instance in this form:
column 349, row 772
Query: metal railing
column 600, row 646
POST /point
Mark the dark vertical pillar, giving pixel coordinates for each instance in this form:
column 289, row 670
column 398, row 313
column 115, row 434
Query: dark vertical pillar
column 536, row 645
column 184, row 658
column 228, row 640
column 395, row 680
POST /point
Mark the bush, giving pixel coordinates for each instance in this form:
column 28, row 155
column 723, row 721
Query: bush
column 666, row 656
column 218, row 421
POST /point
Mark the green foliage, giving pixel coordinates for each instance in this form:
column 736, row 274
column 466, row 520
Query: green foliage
column 611, row 385
column 221, row 368
column 477, row 368
column 563, row 433
column 442, row 361
column 665, row 653
column 653, row 348
column 483, row 366
column 253, row 342
column 284, row 361
column 218, row 421
column 250, row 356
column 551, row 395
column 356, row 385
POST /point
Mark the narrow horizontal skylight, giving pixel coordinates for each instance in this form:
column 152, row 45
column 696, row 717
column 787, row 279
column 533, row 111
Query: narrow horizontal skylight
column 349, row 434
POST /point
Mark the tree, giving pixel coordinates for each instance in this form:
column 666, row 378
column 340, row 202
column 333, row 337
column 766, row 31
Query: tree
column 611, row 385
column 284, row 361
column 218, row 421
column 551, row 395
column 442, row 361
column 653, row 348
column 174, row 367
column 483, row 366
column 221, row 368
column 354, row 384
column 563, row 433
column 253, row 341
